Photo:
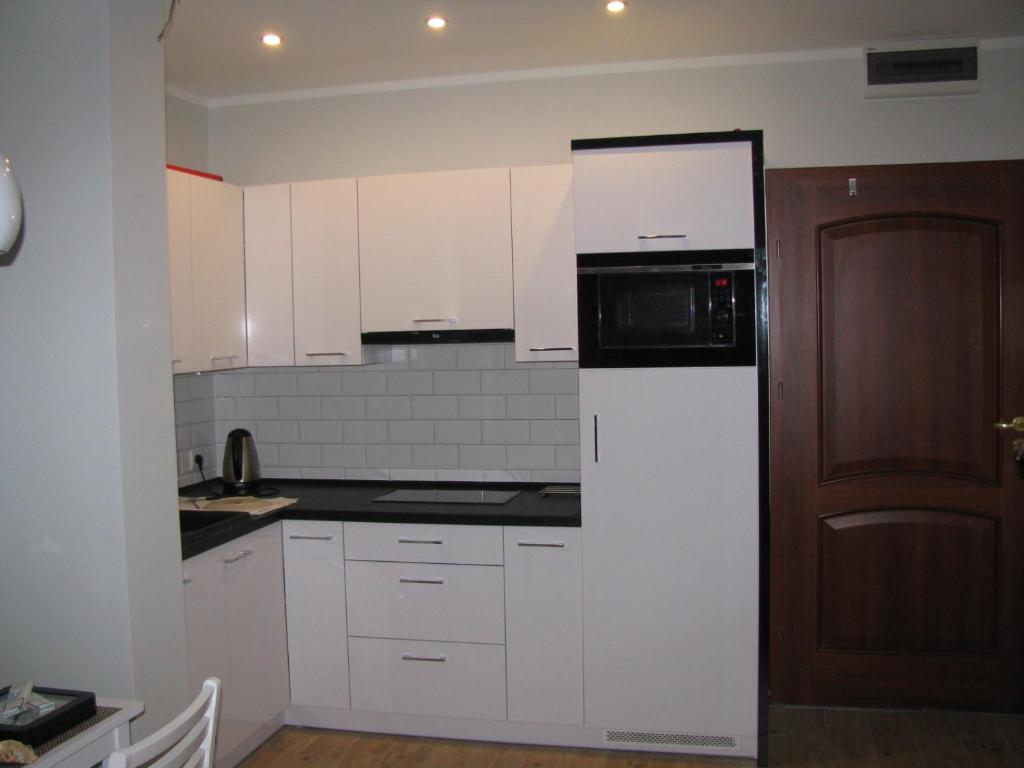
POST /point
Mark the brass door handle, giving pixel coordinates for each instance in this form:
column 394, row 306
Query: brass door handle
column 1016, row 424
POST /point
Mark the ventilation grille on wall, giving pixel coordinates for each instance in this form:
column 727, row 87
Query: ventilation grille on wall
column 675, row 739
column 922, row 68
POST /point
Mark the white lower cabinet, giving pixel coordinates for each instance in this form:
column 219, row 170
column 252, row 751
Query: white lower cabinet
column 314, row 572
column 423, row 678
column 544, row 624
column 234, row 614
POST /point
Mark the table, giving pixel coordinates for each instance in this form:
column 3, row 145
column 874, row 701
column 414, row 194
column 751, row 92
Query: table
column 92, row 742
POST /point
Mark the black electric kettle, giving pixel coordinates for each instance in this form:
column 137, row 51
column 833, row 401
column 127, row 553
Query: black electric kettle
column 241, row 472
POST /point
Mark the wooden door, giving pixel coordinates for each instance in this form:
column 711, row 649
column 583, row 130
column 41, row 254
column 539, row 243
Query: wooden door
column 897, row 309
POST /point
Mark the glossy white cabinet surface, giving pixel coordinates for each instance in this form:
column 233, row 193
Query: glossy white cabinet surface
column 544, row 263
column 426, row 601
column 670, row 549
column 179, row 253
column 268, row 275
column 435, row 251
column 325, row 266
column 314, row 570
column 544, row 624
column 646, row 198
column 424, row 543
column 235, row 626
column 420, row 678
column 218, row 260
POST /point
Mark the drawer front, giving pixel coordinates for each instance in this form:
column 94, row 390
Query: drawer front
column 471, row 544
column 426, row 601
column 419, row 678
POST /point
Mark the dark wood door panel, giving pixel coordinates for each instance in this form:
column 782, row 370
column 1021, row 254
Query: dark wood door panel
column 870, row 598
column 897, row 510
column 909, row 366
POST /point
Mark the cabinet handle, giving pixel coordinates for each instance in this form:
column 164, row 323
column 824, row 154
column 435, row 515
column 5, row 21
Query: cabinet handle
column 415, row 657
column 559, row 544
column 176, row 361
column 597, row 455
column 327, row 354
column 186, row 580
column 551, row 349
column 296, row 537
column 404, row 580
column 215, row 358
column 406, row 540
column 661, row 237
column 436, row 320
column 244, row 553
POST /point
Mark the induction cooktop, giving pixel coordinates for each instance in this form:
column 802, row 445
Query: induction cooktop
column 452, row 496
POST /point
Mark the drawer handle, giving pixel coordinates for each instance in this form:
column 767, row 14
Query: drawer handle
column 297, row 537
column 215, row 358
column 404, row 580
column 415, row 657
column 661, row 237
column 327, row 354
column 559, row 544
column 436, row 320
column 243, row 554
column 551, row 349
column 407, row 540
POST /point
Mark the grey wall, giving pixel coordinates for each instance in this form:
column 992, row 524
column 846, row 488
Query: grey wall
column 812, row 112
column 446, row 412
column 186, row 134
column 90, row 564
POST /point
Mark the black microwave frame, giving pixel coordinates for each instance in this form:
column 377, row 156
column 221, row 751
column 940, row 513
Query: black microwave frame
column 743, row 353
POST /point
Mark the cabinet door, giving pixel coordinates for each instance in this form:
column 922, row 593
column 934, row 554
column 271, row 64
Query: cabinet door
column 544, row 625
column 325, row 270
column 179, row 254
column 257, row 687
column 670, row 548
column 435, row 251
column 268, row 275
column 544, row 263
column 676, row 197
column 314, row 572
column 218, row 274
column 205, row 628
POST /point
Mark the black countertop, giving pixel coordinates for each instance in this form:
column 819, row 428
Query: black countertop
column 353, row 500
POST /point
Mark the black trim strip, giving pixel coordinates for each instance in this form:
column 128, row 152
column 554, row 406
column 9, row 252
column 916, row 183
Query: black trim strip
column 717, row 137
column 440, row 337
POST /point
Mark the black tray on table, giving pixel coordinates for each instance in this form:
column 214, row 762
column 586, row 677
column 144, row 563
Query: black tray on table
column 73, row 707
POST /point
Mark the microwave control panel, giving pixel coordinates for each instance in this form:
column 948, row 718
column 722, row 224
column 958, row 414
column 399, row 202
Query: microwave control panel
column 723, row 311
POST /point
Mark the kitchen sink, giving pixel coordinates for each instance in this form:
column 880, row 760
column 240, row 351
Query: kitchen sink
column 193, row 521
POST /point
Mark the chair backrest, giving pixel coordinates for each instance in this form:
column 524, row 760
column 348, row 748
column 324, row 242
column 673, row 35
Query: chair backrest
column 185, row 742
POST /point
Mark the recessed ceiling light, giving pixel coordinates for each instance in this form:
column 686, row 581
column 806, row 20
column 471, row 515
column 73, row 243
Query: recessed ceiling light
column 616, row 6
column 271, row 39
column 437, row 22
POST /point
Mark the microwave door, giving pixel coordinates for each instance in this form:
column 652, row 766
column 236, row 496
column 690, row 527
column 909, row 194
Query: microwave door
column 652, row 311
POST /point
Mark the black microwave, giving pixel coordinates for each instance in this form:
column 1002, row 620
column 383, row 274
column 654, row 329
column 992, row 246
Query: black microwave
column 666, row 308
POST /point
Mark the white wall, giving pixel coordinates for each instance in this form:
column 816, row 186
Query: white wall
column 812, row 112
column 186, row 134
column 90, row 577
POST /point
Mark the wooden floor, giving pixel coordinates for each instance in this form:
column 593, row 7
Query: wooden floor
column 800, row 737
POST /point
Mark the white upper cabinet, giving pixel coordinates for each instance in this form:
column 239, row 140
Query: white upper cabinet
column 218, row 272
column 544, row 263
column 268, row 275
column 179, row 253
column 325, row 270
column 435, row 251
column 672, row 197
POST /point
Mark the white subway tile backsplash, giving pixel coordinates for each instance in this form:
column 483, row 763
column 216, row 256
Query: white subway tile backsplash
column 277, row 432
column 412, row 474
column 344, row 455
column 432, row 357
column 319, row 383
column 342, row 407
column 389, row 456
column 320, row 431
column 388, row 407
column 481, row 407
column 505, row 432
column 276, row 383
column 556, row 381
column 410, row 383
column 567, row 406
column 366, row 474
column 531, row 406
column 506, row 476
column 567, row 456
column 282, row 473
column 298, row 455
column 298, row 407
column 233, row 385
column 435, row 456
column 459, row 475
column 189, row 412
column 323, row 473
column 482, row 456
column 224, row 408
column 531, row 456
column 478, row 357
column 457, row 382
column 435, row 407
column 504, row 382
column 555, row 476
column 457, row 432
column 555, row 432
column 410, row 432
column 248, row 408
column 366, row 432
column 363, row 383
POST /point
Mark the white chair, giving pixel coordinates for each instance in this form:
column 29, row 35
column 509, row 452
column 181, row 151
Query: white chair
column 185, row 742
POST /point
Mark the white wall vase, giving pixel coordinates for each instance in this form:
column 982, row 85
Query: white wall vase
column 10, row 206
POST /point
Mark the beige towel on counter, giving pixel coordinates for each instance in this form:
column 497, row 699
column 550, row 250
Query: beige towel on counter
column 251, row 504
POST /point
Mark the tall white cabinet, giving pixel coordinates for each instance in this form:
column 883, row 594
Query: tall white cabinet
column 268, row 274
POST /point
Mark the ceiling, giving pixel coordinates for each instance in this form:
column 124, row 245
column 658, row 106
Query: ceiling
column 213, row 48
